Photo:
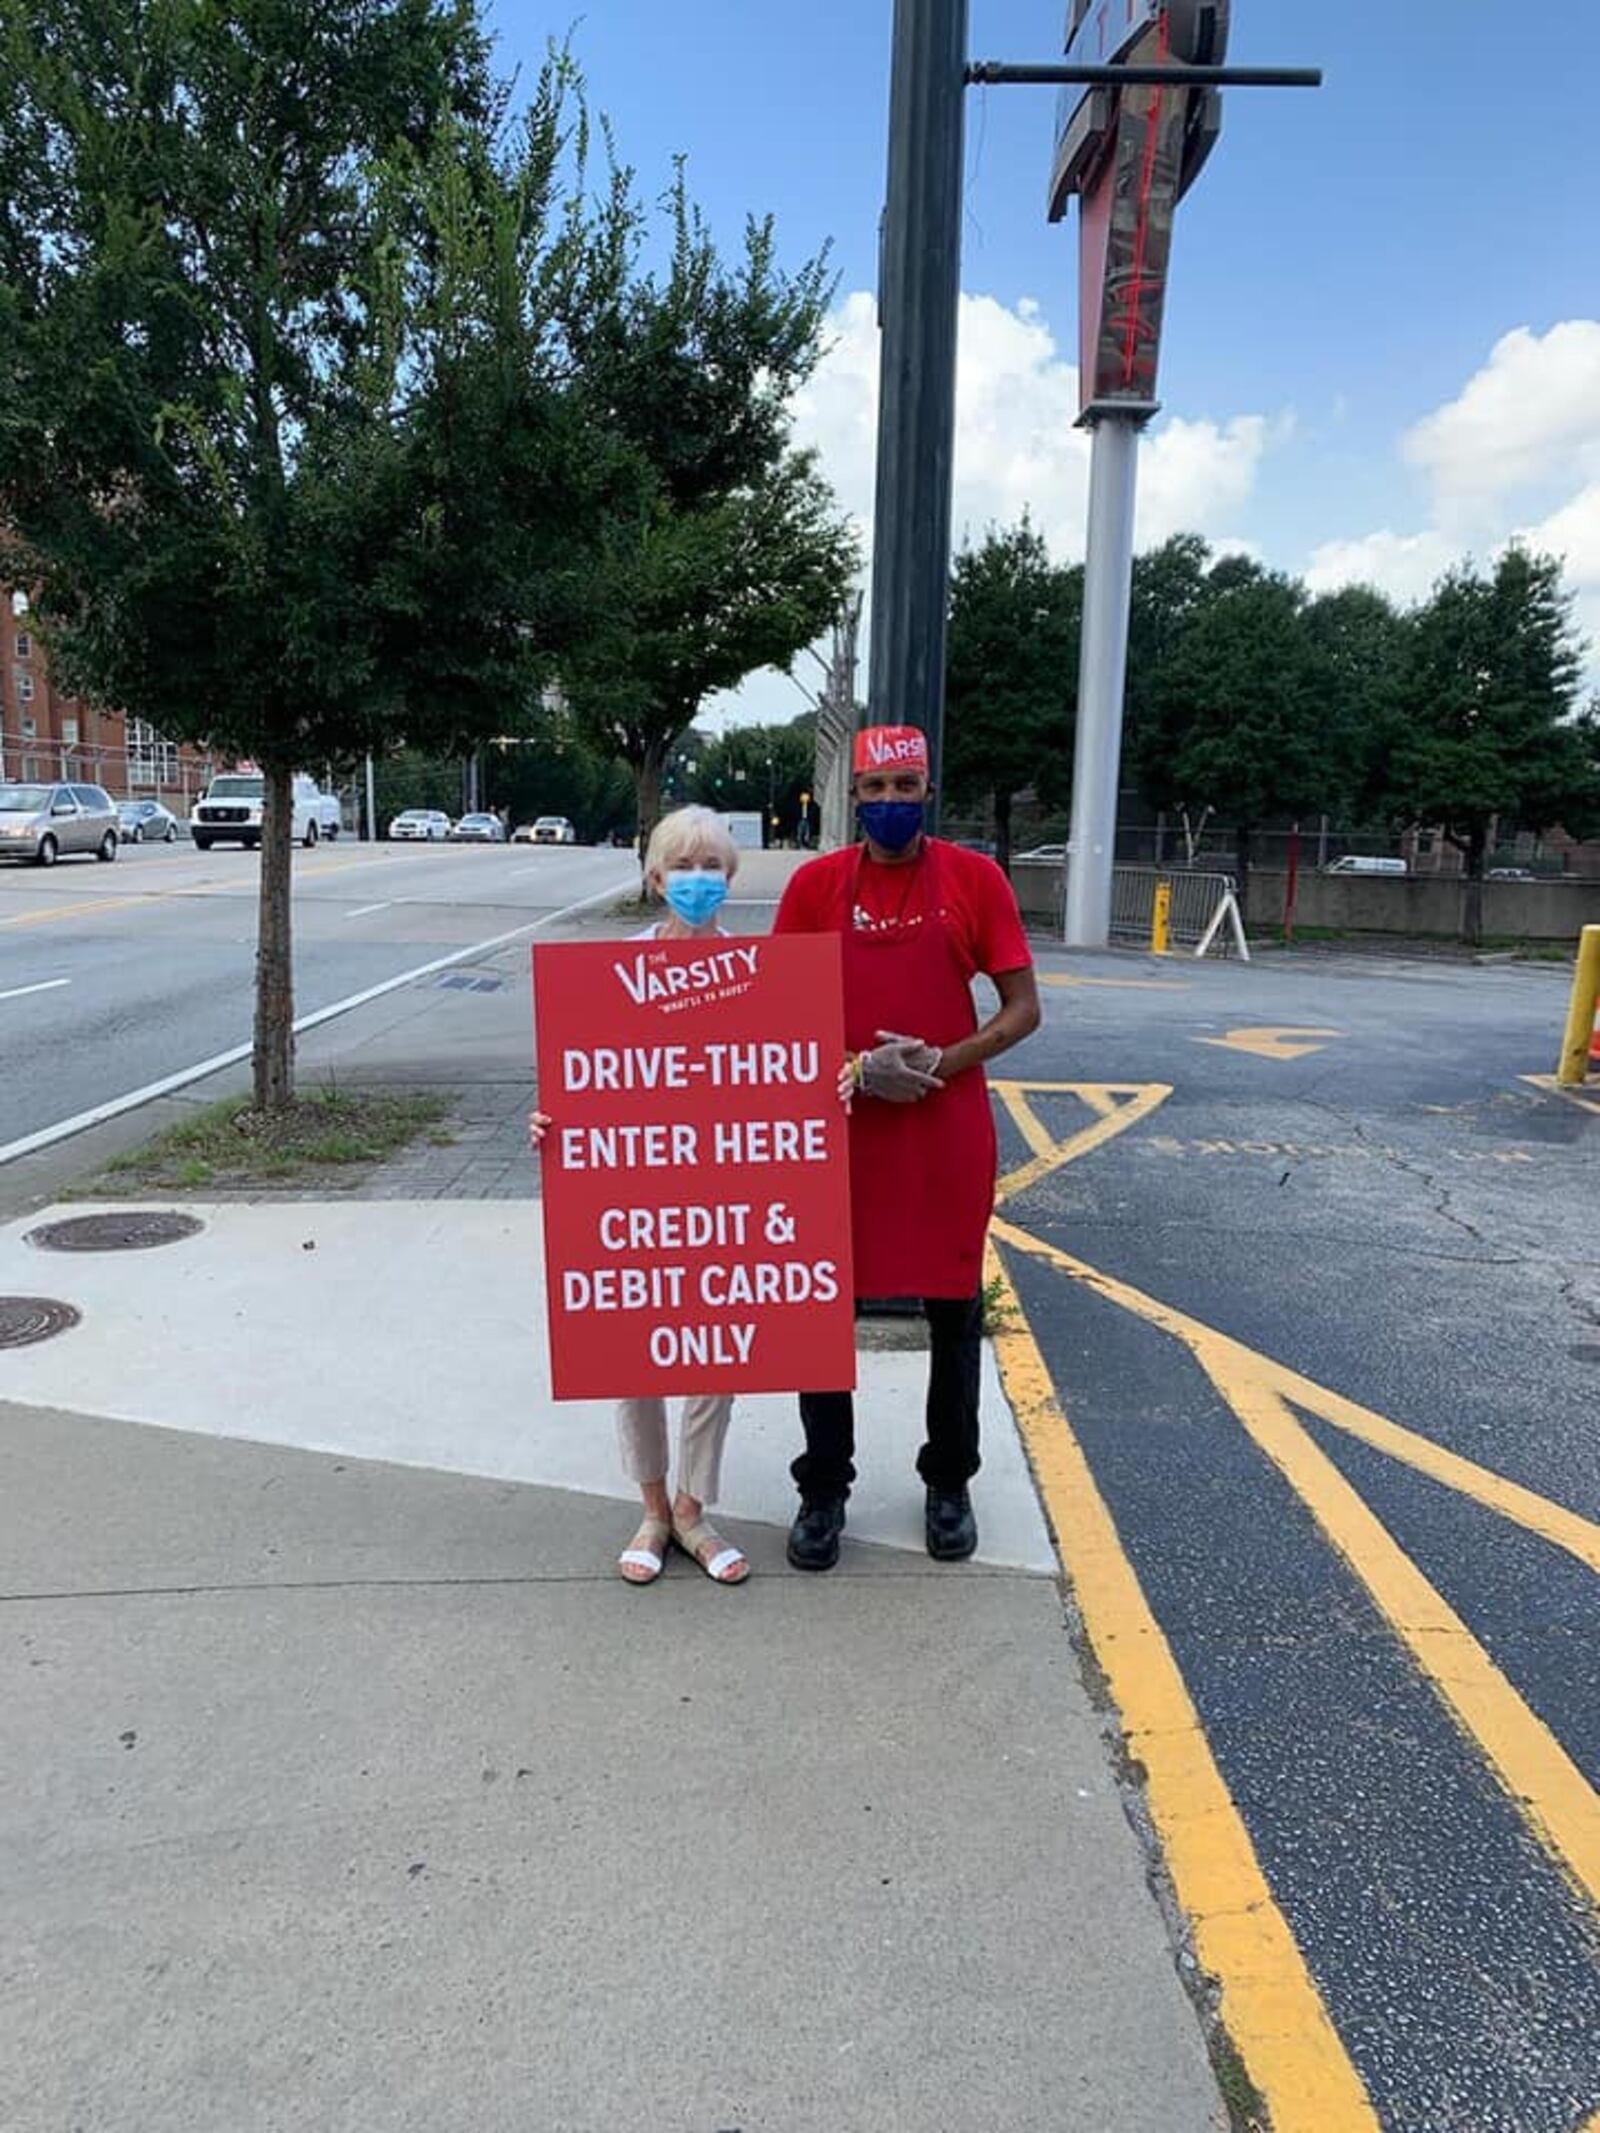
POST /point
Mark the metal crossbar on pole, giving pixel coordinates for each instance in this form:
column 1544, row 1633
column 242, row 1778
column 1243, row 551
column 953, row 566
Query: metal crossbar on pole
column 919, row 299
column 995, row 73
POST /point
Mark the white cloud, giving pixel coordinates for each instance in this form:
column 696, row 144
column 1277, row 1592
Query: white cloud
column 1525, row 427
column 1573, row 533
column 1530, row 415
column 1404, row 565
column 1017, row 449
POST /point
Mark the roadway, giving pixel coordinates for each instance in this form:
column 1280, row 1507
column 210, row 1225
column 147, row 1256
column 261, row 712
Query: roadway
column 115, row 978
column 1305, row 1348
column 1304, row 1342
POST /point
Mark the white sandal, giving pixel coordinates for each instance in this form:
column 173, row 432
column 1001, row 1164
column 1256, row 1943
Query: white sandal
column 646, row 1554
column 725, row 1566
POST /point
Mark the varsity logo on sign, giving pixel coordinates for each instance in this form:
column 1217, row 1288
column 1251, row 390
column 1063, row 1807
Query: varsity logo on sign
column 655, row 977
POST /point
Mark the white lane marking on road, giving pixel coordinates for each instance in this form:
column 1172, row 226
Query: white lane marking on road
column 21, row 992
column 47, row 1136
column 367, row 910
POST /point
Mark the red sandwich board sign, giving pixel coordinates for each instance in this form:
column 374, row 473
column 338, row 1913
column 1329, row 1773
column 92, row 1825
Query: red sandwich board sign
column 696, row 1174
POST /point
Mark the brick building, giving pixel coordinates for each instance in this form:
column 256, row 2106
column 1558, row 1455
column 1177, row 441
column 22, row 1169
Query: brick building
column 44, row 734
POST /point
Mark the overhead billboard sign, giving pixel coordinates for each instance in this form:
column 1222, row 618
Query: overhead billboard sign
column 1128, row 155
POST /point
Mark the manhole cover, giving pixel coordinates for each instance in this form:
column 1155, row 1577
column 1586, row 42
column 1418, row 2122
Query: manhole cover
column 26, row 1319
column 133, row 1232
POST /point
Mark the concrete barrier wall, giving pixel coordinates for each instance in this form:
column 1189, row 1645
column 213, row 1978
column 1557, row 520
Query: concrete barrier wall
column 1421, row 903
column 1374, row 903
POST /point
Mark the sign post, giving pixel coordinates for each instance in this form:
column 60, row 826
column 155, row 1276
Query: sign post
column 1141, row 114
column 696, row 1176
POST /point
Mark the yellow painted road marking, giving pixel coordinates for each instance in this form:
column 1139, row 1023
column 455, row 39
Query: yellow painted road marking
column 1269, row 2000
column 1067, row 978
column 1117, row 1106
column 1542, row 1779
column 89, row 906
column 1272, row 1043
column 1586, row 1099
column 1545, row 1785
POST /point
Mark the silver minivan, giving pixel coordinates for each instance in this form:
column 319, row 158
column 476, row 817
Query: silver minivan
column 46, row 822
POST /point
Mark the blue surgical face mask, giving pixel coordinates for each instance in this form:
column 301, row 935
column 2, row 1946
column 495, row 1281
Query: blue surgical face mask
column 892, row 824
column 696, row 893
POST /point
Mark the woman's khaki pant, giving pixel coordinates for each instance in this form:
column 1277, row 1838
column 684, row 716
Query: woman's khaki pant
column 642, row 1433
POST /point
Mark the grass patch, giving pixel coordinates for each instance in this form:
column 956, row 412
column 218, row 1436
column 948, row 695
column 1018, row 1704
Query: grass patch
column 1246, row 2110
column 1529, row 951
column 997, row 1313
column 230, row 1145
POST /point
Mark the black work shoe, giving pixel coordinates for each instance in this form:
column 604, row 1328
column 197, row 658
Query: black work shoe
column 814, row 1536
column 951, row 1528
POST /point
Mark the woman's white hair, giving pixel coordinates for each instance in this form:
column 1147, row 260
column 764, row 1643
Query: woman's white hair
column 689, row 834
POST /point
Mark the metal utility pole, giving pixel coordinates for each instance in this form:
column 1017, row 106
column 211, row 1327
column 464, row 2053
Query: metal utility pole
column 1103, row 672
column 919, row 298
column 836, row 727
column 1129, row 148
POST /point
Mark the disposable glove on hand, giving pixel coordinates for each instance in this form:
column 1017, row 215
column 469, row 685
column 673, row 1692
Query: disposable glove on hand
column 900, row 1070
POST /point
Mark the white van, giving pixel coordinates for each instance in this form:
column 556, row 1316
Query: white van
column 1362, row 863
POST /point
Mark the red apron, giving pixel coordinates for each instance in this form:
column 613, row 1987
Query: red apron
column 921, row 1175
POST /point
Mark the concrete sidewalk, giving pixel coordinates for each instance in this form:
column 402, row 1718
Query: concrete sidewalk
column 344, row 1787
column 337, row 1795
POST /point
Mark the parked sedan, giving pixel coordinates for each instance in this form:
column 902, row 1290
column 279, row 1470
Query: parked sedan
column 146, row 822
column 44, row 822
column 548, row 829
column 479, row 829
column 429, row 823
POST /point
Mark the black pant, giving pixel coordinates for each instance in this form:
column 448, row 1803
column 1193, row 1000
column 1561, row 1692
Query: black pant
column 950, row 1458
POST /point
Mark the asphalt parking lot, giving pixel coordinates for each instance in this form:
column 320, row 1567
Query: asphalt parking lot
column 1310, row 1281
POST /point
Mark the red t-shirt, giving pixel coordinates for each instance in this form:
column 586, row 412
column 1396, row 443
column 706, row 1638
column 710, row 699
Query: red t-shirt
column 979, row 904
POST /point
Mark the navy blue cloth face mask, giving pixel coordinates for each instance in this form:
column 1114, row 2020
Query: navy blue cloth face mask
column 892, row 824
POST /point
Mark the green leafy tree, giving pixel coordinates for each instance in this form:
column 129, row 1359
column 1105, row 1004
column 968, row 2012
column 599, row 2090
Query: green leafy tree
column 1011, row 691
column 1363, row 643
column 1489, row 726
column 760, row 770
column 737, row 556
column 1169, row 582
column 1243, row 720
column 562, row 777
column 284, row 453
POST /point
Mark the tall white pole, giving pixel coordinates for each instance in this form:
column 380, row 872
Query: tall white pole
column 1103, row 673
column 372, row 804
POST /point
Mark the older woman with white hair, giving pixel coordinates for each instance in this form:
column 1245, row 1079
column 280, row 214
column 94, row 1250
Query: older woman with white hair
column 690, row 864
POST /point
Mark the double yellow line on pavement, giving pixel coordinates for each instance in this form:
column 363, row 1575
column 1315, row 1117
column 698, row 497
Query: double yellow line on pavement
column 91, row 905
column 1269, row 2001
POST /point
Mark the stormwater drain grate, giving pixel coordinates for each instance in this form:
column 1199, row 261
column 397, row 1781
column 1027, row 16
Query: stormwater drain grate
column 26, row 1319
column 134, row 1232
column 1585, row 1352
column 470, row 981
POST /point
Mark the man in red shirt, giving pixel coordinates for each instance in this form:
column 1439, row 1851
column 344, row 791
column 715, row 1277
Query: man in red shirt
column 920, row 919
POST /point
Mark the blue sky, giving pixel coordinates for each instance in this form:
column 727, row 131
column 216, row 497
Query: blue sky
column 1383, row 328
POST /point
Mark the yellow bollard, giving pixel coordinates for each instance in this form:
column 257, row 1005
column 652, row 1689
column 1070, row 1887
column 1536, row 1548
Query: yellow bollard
column 1581, row 1013
column 1161, row 920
